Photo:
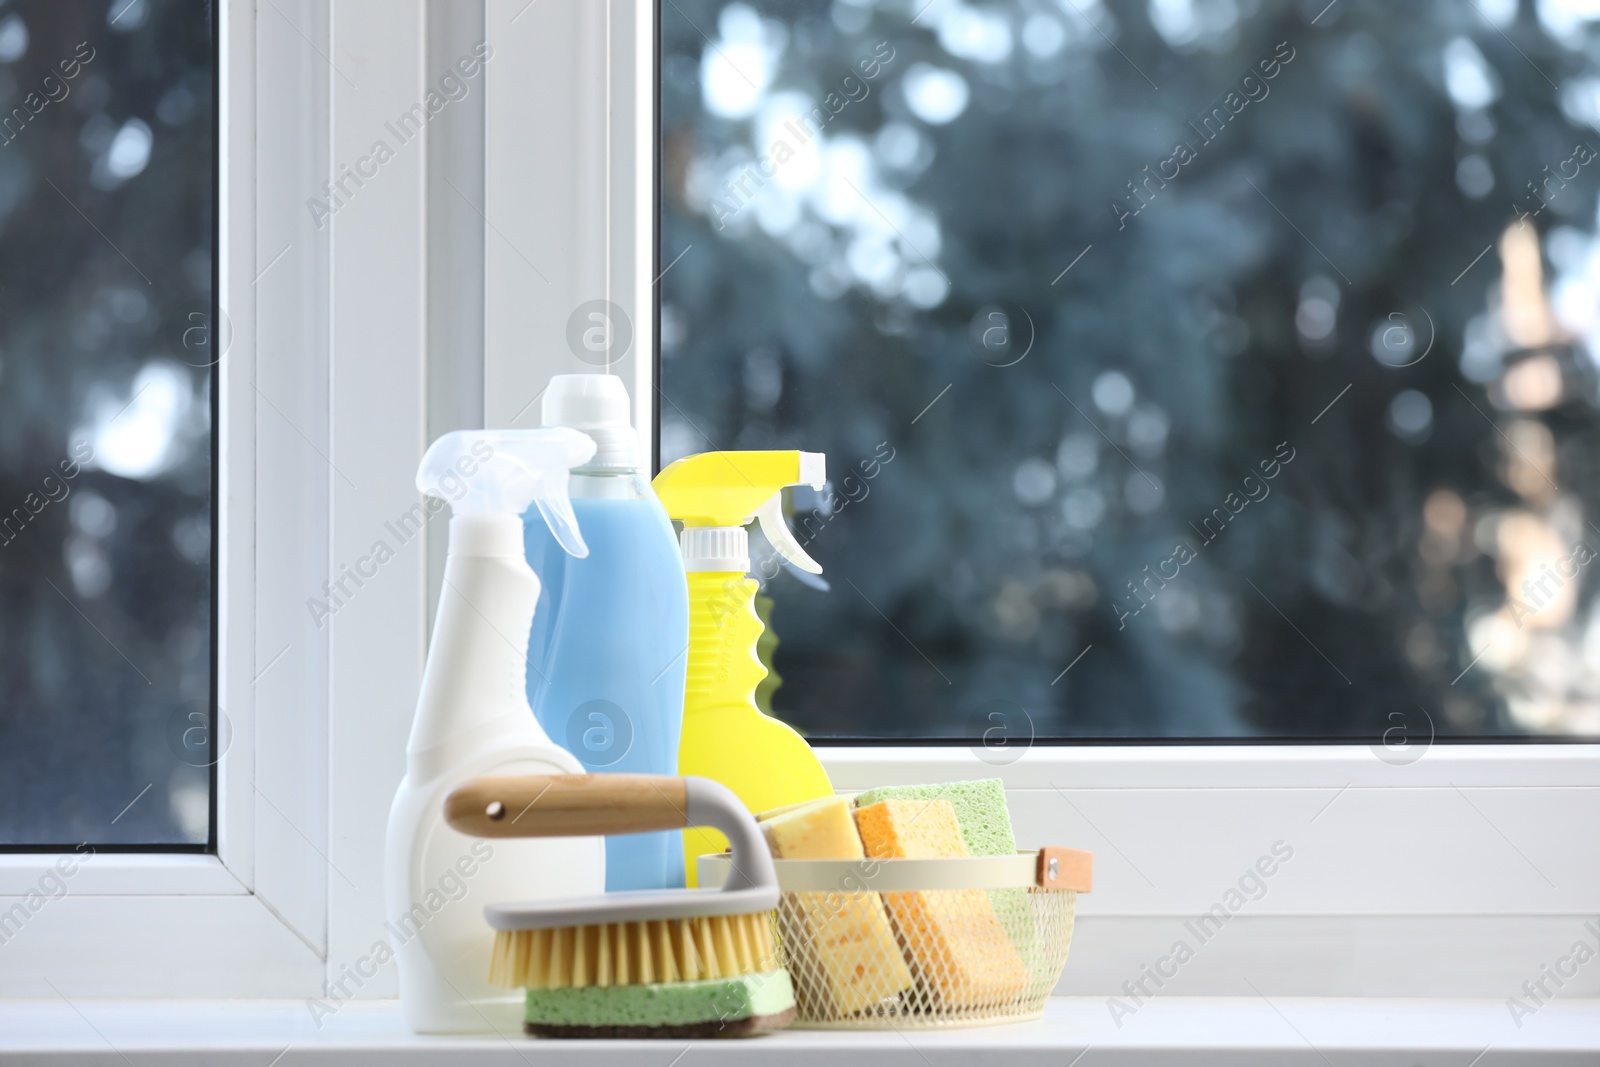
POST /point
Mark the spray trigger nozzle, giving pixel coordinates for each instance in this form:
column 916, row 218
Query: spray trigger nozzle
column 780, row 537
column 717, row 494
column 502, row 472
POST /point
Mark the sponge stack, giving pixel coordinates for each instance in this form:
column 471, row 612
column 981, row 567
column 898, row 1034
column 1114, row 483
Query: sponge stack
column 851, row 960
column 980, row 808
column 960, row 954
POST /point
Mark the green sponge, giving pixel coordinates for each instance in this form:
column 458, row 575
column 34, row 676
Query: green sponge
column 714, row 1007
column 980, row 808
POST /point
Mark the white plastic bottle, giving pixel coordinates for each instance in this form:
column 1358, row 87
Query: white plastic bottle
column 473, row 719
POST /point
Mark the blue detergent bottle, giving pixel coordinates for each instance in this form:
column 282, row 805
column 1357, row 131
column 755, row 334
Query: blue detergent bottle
column 608, row 648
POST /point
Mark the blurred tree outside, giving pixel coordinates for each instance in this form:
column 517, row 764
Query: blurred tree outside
column 1091, row 269
column 106, row 348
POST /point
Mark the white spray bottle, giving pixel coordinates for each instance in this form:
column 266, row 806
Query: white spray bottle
column 473, row 719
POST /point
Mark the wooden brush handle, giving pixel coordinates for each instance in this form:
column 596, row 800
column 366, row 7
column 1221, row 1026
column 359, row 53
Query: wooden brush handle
column 568, row 805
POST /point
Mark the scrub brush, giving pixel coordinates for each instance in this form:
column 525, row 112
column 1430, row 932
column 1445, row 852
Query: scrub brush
column 683, row 963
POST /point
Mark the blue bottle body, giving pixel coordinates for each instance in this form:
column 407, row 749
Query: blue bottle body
column 607, row 652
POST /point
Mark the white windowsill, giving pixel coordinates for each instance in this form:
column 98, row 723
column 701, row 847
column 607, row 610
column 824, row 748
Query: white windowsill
column 1227, row 1032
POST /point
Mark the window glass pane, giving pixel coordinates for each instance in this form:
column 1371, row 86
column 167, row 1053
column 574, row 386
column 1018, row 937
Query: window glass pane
column 1185, row 369
column 107, row 344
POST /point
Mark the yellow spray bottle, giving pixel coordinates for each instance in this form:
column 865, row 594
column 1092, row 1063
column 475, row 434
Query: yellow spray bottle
column 725, row 736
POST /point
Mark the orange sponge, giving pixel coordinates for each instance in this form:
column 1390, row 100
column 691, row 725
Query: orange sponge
column 958, row 951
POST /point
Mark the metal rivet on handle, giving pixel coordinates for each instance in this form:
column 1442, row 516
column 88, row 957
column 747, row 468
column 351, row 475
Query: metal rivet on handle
column 1055, row 866
column 497, row 811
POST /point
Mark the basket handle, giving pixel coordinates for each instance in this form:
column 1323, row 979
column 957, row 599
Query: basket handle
column 581, row 805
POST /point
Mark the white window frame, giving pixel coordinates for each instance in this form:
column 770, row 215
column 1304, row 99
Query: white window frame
column 1459, row 874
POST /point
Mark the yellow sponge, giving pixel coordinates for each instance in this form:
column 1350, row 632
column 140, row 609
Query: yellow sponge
column 955, row 944
column 848, row 959
column 763, row 816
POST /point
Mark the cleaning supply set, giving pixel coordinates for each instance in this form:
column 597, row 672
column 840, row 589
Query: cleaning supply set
column 570, row 615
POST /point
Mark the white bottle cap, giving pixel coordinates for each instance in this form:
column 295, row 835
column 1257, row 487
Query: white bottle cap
column 715, row 548
column 598, row 405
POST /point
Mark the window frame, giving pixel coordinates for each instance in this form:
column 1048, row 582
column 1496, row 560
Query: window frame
column 1404, row 882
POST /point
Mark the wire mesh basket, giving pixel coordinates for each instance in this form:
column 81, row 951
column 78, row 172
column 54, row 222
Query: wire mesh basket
column 924, row 943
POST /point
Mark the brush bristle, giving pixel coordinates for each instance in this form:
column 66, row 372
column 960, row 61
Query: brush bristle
column 636, row 953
